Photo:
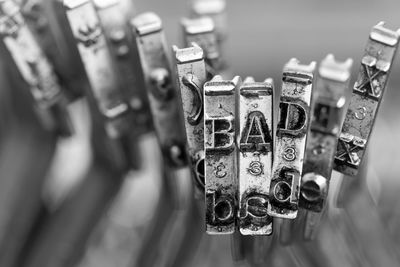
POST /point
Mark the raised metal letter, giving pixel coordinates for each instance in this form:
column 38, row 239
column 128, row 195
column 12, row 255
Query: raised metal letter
column 220, row 157
column 255, row 156
column 291, row 139
column 366, row 98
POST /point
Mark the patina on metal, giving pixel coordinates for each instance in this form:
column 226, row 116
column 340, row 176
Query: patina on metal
column 99, row 66
column 202, row 32
column 293, row 124
column 255, row 145
column 327, row 118
column 366, row 98
column 220, row 155
column 328, row 110
column 114, row 16
column 191, row 76
column 48, row 22
column 163, row 97
column 35, row 69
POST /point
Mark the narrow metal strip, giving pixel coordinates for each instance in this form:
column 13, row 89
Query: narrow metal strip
column 255, row 156
column 114, row 16
column 328, row 114
column 202, row 32
column 191, row 76
column 366, row 98
column 35, row 68
column 163, row 97
column 293, row 124
column 220, row 155
column 328, row 111
column 98, row 63
column 215, row 9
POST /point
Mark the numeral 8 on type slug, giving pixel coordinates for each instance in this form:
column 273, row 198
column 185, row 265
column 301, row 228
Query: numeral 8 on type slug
column 220, row 155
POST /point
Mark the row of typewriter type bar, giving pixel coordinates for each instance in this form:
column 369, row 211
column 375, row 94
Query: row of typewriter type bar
column 250, row 167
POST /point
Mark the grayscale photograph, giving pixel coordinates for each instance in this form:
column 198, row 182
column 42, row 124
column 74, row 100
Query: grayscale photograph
column 199, row 133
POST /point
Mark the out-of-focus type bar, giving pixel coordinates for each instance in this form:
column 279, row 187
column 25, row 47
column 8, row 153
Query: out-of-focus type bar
column 255, row 156
column 191, row 76
column 48, row 23
column 27, row 150
column 176, row 207
column 215, row 9
column 35, row 69
column 220, row 155
column 100, row 70
column 366, row 98
column 202, row 32
column 328, row 112
column 293, row 124
column 114, row 17
column 327, row 117
column 162, row 95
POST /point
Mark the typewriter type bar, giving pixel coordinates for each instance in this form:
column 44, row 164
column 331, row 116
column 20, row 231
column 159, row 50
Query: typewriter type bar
column 215, row 9
column 293, row 124
column 255, row 156
column 163, row 97
column 202, row 32
column 35, row 69
column 328, row 113
column 99, row 66
column 191, row 76
column 48, row 23
column 220, row 155
column 366, row 98
column 114, row 17
column 45, row 23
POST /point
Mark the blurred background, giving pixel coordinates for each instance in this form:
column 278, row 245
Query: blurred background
column 58, row 207
column 264, row 35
